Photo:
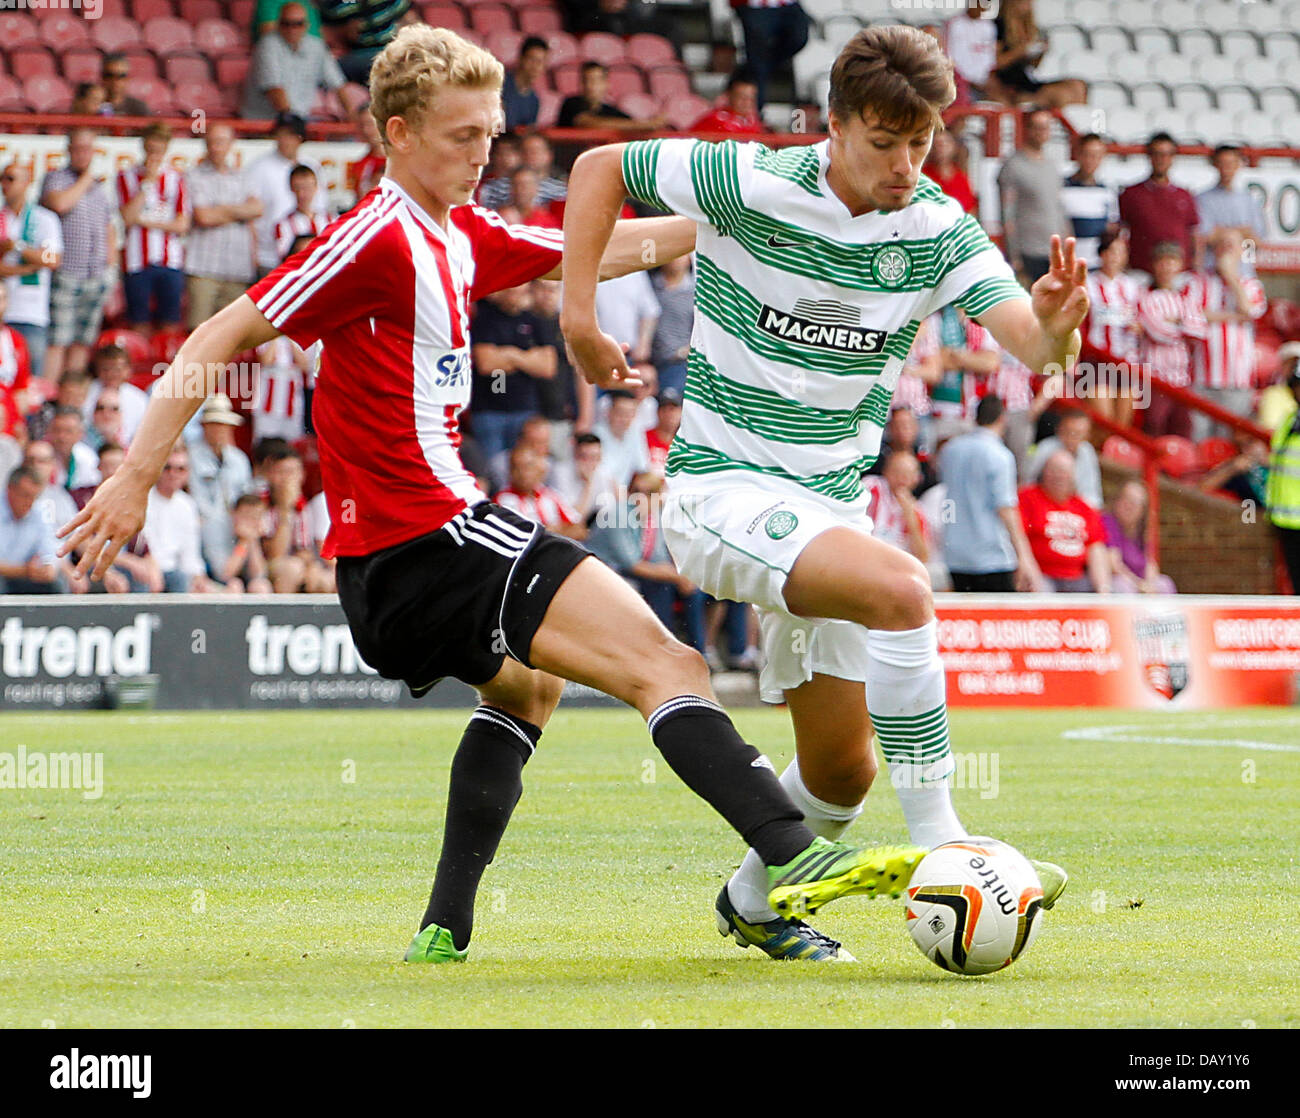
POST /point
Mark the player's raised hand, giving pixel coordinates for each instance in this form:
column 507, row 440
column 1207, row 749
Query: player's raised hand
column 1060, row 297
column 601, row 359
column 99, row 531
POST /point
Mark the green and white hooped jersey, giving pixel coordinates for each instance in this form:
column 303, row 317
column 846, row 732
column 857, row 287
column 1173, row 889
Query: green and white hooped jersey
column 803, row 313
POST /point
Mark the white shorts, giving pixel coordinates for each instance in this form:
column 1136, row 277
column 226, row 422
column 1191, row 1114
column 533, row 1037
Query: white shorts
column 738, row 543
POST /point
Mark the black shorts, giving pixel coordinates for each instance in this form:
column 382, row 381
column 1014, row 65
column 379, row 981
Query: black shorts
column 458, row 601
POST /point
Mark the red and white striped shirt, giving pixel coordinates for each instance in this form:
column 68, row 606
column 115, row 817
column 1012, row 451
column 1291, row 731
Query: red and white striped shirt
column 15, row 376
column 1168, row 321
column 912, row 392
column 1112, row 316
column 545, row 507
column 1226, row 357
column 387, row 291
column 165, row 198
column 1012, row 382
column 298, row 224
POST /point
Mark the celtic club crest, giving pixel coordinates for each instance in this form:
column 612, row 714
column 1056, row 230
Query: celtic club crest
column 781, row 524
column 891, row 266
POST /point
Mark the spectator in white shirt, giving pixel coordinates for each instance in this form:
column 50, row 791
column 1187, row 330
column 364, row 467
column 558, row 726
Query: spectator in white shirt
column 111, row 368
column 629, row 312
column 622, row 442
column 1072, row 433
column 171, row 528
column 269, row 180
column 220, row 473
column 76, row 464
column 31, row 250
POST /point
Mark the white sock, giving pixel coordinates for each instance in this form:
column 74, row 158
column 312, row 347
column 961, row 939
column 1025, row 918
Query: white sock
column 748, row 886
column 907, row 700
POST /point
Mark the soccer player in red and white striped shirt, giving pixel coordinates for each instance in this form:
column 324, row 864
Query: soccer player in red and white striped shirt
column 436, row 580
column 1168, row 321
column 156, row 214
column 1229, row 303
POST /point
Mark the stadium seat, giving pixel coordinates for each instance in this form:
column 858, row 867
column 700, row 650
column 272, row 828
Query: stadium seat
column 451, row 16
column 1239, row 43
column 1238, row 98
column 1176, row 13
column 113, row 33
column 143, row 63
column 1119, row 450
column 1067, row 39
column 1215, row 70
column 566, row 80
column 241, row 13
column 30, row 61
column 1108, row 95
column 232, row 69
column 81, row 64
column 1114, row 40
column 144, row 10
column 205, row 96
column 624, row 78
column 1214, row 126
column 1282, row 44
column 186, row 68
column 112, row 8
column 218, row 36
column 1198, row 42
column 61, row 29
column 685, row 109
column 164, row 35
column 1128, row 126
column 1168, row 68
column 505, row 45
column 639, row 105
column 670, row 82
column 11, row 96
column 564, row 48
column 1214, row 452
column 648, row 51
column 1152, row 97
column 1266, row 17
column 135, row 344
column 1091, row 13
column 154, row 92
column 196, row 12
column 598, row 46
column 47, row 93
column 1193, row 97
column 1177, row 455
column 1279, row 99
column 18, row 27
column 539, row 19
column 548, row 108
column 164, row 345
column 486, row 18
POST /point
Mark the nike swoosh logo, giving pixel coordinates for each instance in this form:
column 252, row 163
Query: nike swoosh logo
column 774, row 242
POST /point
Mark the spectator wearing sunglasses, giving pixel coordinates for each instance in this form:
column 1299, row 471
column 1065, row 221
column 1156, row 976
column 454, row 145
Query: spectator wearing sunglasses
column 115, row 72
column 289, row 66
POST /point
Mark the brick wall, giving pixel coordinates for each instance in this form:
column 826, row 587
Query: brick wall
column 1208, row 545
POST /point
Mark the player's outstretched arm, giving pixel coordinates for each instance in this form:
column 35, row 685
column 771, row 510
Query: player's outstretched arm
column 596, row 193
column 1044, row 329
column 116, row 512
column 641, row 243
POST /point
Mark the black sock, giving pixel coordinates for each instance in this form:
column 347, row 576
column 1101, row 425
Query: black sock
column 702, row 746
column 486, row 783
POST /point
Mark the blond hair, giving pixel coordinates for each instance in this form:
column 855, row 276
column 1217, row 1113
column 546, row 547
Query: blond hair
column 419, row 61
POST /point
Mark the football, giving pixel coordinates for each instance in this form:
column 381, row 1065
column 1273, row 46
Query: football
column 973, row 906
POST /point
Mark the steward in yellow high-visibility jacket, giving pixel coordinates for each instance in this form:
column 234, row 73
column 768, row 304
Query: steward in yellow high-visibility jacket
column 1283, row 494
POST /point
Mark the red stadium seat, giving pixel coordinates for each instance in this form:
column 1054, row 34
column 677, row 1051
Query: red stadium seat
column 164, row 35
column 670, row 81
column 548, row 108
column 200, row 95
column 639, row 105
column 18, row 27
column 200, row 11
column 567, row 79
column 136, row 346
column 143, row 63
column 241, row 13
column 186, row 68
column 1177, row 455
column 624, row 79
column 487, row 18
column 540, row 19
column 505, row 45
column 219, row 36
column 31, row 61
column 650, row 50
column 145, row 10
column 1214, row 452
column 155, row 93
column 11, row 96
column 61, row 29
column 164, row 345
column 1119, row 450
column 564, row 48
column 444, row 14
column 81, row 64
column 232, row 69
column 46, row 93
column 685, row 109
column 112, row 8
column 599, row 46
column 114, row 33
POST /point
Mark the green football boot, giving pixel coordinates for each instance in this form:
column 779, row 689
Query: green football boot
column 434, row 945
column 780, row 938
column 828, row 870
column 1052, row 878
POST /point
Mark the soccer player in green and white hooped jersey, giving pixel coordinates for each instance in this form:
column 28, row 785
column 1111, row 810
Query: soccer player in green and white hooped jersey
column 816, row 266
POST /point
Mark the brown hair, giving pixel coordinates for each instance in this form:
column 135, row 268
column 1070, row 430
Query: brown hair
column 899, row 73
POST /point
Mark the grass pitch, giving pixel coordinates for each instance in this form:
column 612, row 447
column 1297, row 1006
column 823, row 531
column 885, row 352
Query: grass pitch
column 268, row 870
